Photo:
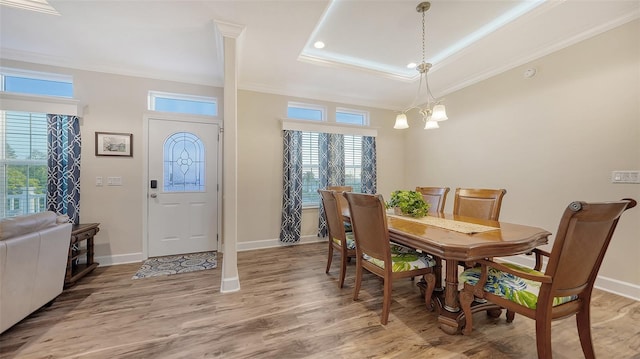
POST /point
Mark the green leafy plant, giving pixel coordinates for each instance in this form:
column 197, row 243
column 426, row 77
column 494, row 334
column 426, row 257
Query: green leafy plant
column 409, row 203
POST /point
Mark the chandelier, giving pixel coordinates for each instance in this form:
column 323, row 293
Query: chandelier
column 433, row 110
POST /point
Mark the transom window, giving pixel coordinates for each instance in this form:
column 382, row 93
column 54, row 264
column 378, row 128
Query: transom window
column 352, row 117
column 36, row 83
column 181, row 103
column 304, row 111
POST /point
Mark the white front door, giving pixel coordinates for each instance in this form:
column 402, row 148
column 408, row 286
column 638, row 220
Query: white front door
column 183, row 187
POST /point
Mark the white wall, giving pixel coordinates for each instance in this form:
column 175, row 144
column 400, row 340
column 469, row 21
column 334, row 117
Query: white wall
column 548, row 140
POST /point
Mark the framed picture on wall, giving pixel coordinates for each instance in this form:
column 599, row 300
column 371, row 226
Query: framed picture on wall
column 114, row 144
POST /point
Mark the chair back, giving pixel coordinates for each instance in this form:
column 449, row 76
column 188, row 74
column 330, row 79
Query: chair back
column 584, row 233
column 341, row 200
column 333, row 215
column 435, row 197
column 478, row 203
column 369, row 223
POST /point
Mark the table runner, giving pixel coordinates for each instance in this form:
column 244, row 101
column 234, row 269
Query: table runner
column 457, row 226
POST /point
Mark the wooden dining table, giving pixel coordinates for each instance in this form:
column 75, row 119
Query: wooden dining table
column 457, row 239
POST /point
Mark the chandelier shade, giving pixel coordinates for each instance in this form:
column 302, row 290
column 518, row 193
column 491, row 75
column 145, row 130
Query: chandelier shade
column 431, row 109
column 401, row 122
column 439, row 113
column 431, row 124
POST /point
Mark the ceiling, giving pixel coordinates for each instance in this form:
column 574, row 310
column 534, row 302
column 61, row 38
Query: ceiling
column 368, row 43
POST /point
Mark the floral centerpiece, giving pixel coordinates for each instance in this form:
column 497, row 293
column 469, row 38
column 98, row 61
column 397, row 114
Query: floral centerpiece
column 410, row 203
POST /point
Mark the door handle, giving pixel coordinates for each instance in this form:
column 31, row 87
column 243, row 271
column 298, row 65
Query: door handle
column 153, row 195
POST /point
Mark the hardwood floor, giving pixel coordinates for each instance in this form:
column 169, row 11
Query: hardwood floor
column 287, row 308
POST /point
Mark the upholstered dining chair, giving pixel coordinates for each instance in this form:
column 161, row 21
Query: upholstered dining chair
column 564, row 288
column 435, row 196
column 478, row 203
column 339, row 240
column 375, row 252
column 342, row 201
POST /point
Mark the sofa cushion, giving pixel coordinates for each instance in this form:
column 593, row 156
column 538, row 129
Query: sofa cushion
column 16, row 226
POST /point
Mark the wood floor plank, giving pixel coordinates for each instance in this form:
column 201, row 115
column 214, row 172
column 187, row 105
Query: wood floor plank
column 287, row 308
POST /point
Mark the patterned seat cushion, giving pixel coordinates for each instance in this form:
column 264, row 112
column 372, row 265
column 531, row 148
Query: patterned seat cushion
column 511, row 287
column 351, row 243
column 404, row 259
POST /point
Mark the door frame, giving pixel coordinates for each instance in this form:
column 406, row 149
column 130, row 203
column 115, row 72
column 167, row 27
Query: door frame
column 150, row 115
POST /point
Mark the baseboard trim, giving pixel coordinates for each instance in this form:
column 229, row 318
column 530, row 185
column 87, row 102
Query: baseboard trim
column 230, row 285
column 272, row 243
column 106, row 261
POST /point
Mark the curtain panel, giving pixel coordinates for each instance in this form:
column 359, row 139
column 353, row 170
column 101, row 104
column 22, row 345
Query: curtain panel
column 63, row 160
column 331, row 171
column 369, row 175
column 292, row 188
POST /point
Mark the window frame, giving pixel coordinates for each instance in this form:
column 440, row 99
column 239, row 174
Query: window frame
column 350, row 111
column 35, row 75
column 153, row 95
column 28, row 163
column 308, row 106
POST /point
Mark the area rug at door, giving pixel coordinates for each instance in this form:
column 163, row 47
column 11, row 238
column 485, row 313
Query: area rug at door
column 169, row 265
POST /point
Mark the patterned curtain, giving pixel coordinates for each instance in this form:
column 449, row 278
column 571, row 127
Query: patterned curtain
column 331, row 163
column 63, row 183
column 369, row 176
column 292, row 188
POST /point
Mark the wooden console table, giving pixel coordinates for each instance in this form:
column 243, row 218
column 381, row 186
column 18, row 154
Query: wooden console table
column 75, row 270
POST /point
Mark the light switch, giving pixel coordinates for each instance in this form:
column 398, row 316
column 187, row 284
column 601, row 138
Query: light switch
column 625, row 177
column 114, row 181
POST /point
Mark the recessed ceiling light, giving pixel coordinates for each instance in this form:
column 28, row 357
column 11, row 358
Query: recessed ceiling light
column 318, row 45
column 412, row 65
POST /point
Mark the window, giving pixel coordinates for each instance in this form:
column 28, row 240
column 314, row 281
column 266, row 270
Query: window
column 23, row 137
column 352, row 117
column 183, row 163
column 303, row 111
column 23, row 163
column 310, row 152
column 353, row 162
column 36, row 83
column 311, row 166
column 180, row 103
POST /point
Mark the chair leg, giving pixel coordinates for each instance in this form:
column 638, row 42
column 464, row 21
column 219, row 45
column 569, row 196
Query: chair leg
column 358, row 282
column 343, row 268
column 583, row 320
column 329, row 256
column 386, row 301
column 430, row 278
column 466, row 298
column 543, row 338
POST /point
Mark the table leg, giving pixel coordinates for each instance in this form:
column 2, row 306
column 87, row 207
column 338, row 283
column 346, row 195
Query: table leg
column 451, row 302
column 437, row 271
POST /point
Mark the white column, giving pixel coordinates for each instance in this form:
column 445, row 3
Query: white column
column 230, row 279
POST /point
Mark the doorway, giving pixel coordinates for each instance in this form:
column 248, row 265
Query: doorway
column 183, row 172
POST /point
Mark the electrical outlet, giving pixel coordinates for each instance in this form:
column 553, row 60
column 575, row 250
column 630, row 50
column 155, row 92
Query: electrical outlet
column 625, row 177
column 99, row 181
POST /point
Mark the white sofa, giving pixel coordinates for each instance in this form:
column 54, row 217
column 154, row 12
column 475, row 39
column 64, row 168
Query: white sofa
column 33, row 260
